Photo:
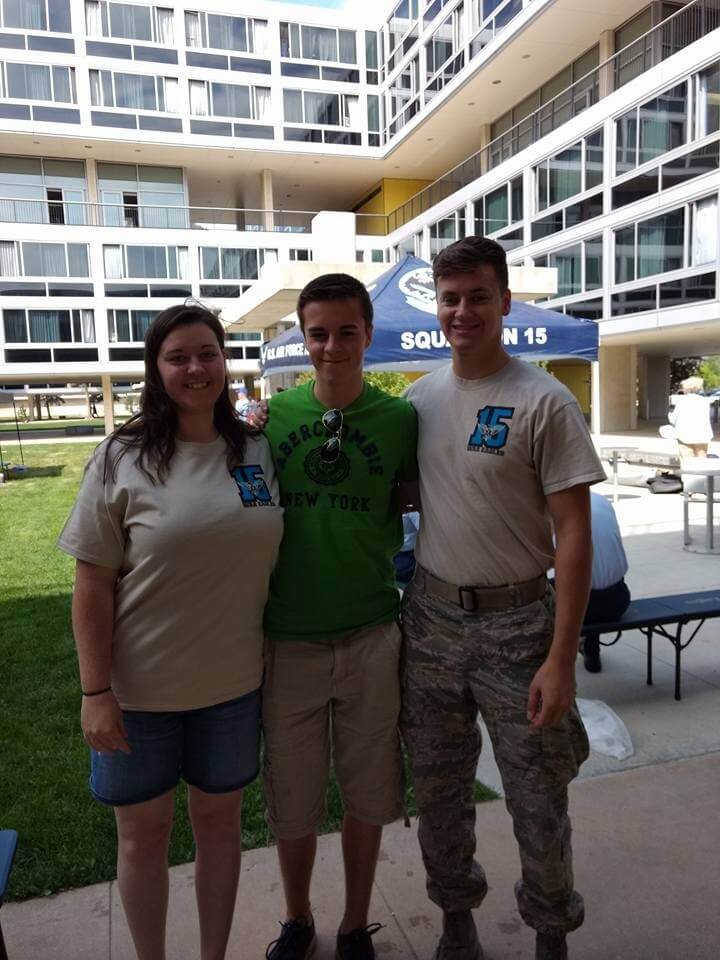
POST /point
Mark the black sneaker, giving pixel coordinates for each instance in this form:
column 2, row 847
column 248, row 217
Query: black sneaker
column 296, row 942
column 357, row 945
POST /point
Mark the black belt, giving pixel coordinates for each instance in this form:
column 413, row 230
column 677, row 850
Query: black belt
column 473, row 599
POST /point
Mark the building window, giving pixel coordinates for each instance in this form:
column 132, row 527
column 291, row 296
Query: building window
column 572, row 171
column 445, row 42
column 229, row 100
column 222, row 263
column 371, row 57
column 217, row 32
column 704, row 236
column 49, row 326
column 129, row 21
column 400, row 32
column 500, row 209
column 650, row 247
column 52, row 15
column 300, row 41
column 42, row 191
column 329, row 109
column 133, row 91
column 145, row 262
column 401, row 96
column 579, row 267
column 707, row 101
column 30, row 259
column 651, row 129
column 141, row 196
column 37, row 81
column 129, row 326
column 300, row 254
column 446, row 231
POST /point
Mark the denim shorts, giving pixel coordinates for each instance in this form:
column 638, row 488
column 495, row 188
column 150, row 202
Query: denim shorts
column 215, row 749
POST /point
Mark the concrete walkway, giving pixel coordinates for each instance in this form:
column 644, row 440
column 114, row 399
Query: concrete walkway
column 646, row 859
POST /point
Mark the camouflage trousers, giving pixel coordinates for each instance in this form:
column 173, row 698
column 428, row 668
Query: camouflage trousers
column 456, row 664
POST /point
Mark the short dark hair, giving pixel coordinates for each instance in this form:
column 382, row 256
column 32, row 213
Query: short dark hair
column 335, row 286
column 466, row 255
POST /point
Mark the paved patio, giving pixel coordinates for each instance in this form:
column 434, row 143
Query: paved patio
column 646, row 861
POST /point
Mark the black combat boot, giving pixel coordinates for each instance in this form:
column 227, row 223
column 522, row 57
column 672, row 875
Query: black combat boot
column 459, row 940
column 550, row 948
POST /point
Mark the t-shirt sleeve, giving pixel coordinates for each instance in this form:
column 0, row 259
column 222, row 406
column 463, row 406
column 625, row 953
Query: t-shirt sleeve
column 94, row 531
column 408, row 464
column 563, row 451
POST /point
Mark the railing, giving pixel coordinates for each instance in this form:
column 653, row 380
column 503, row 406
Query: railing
column 677, row 32
column 152, row 216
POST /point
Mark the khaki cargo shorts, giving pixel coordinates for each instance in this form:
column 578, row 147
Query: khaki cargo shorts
column 340, row 697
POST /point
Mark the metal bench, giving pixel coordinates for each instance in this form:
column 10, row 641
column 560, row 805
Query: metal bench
column 8, row 843
column 635, row 457
column 665, row 616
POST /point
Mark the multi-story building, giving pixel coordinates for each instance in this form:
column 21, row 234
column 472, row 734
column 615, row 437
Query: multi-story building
column 150, row 153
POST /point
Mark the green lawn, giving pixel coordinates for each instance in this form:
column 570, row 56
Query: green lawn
column 66, row 839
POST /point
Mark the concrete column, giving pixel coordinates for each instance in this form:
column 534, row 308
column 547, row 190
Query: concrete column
column 607, row 74
column 654, row 397
column 595, row 397
column 108, row 404
column 94, row 215
column 267, row 201
column 485, row 137
column 618, row 388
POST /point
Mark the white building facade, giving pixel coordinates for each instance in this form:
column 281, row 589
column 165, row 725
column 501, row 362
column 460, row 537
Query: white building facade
column 154, row 153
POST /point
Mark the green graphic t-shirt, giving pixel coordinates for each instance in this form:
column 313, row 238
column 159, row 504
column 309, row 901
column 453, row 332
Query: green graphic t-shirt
column 342, row 520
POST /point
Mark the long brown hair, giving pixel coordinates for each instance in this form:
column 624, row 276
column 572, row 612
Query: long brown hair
column 151, row 432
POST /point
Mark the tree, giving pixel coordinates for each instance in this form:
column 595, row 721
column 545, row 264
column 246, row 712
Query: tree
column 680, row 369
column 393, row 383
column 709, row 370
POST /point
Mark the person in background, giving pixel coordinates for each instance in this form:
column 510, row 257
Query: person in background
column 609, row 594
column 405, row 558
column 689, row 420
column 169, row 637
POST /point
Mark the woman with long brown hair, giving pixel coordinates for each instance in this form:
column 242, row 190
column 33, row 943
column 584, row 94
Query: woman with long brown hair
column 169, row 637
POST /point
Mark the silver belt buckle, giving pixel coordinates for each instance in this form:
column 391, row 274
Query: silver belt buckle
column 470, row 593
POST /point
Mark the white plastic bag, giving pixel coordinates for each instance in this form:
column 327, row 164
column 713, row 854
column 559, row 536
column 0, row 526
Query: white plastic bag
column 606, row 731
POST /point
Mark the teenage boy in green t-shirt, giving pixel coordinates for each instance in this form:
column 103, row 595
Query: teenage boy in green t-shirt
column 341, row 448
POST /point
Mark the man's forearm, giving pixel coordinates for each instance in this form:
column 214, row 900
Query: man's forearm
column 573, row 565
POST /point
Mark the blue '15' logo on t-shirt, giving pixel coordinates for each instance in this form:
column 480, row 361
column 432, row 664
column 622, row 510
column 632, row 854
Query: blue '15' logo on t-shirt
column 251, row 485
column 491, row 432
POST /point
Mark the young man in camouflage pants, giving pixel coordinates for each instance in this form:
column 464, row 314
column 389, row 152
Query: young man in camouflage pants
column 502, row 451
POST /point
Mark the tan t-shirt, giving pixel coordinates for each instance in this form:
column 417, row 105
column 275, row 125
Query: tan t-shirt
column 489, row 452
column 194, row 557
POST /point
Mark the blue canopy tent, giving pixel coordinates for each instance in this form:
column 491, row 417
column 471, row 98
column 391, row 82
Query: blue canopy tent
column 407, row 336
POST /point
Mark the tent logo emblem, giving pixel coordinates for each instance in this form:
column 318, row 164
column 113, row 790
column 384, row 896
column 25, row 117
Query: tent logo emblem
column 418, row 289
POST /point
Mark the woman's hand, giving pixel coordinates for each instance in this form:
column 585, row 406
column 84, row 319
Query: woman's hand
column 102, row 724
